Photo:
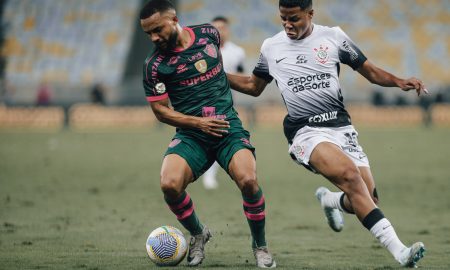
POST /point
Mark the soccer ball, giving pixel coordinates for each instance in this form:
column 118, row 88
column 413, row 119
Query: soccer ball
column 166, row 246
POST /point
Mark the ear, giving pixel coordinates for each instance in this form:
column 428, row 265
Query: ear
column 311, row 13
column 175, row 19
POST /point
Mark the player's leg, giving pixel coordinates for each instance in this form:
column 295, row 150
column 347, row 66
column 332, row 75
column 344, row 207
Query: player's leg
column 183, row 163
column 175, row 176
column 329, row 160
column 242, row 169
column 210, row 177
column 340, row 201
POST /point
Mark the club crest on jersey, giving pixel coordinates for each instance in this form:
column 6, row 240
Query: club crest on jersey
column 201, row 66
column 210, row 50
column 160, row 88
column 322, row 55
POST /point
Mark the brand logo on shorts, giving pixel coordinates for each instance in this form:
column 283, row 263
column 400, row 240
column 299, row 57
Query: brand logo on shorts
column 299, row 152
column 174, row 143
column 322, row 54
column 246, row 141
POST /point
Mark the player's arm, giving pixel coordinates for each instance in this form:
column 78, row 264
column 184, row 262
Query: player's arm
column 381, row 77
column 250, row 85
column 167, row 115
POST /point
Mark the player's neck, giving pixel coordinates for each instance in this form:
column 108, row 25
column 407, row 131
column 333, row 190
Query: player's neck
column 308, row 32
column 184, row 40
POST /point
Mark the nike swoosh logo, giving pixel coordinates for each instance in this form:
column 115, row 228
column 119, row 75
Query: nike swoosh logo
column 278, row 61
column 384, row 228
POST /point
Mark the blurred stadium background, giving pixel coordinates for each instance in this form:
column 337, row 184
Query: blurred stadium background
column 65, row 48
column 79, row 182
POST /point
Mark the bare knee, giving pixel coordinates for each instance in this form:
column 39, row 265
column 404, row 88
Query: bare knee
column 352, row 182
column 171, row 185
column 248, row 184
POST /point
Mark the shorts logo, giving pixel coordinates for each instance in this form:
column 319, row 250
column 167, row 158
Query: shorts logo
column 209, row 111
column 210, row 50
column 201, row 66
column 300, row 151
column 322, row 54
column 174, row 143
column 246, row 141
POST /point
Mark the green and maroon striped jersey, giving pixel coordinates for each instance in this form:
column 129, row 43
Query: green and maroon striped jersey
column 193, row 78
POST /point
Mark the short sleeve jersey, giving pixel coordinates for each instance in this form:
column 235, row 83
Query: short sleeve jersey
column 307, row 74
column 193, row 79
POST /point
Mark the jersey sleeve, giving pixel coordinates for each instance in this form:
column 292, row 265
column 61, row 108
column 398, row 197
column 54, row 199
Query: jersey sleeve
column 214, row 35
column 261, row 69
column 349, row 53
column 154, row 89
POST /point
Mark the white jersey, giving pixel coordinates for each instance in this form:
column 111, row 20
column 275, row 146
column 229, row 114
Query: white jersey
column 307, row 73
column 233, row 57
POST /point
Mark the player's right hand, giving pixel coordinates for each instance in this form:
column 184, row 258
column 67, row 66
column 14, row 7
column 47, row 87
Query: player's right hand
column 213, row 126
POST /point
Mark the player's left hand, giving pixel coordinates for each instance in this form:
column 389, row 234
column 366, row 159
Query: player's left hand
column 414, row 83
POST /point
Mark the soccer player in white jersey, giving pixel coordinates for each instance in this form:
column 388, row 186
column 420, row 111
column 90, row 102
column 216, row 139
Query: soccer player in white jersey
column 233, row 58
column 304, row 60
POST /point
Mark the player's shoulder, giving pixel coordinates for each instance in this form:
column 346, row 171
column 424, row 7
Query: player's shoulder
column 275, row 40
column 327, row 30
column 204, row 28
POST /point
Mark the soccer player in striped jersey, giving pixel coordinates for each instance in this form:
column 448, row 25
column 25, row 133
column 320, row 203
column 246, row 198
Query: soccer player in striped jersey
column 304, row 60
column 186, row 68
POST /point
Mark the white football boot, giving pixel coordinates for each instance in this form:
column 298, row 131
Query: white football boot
column 197, row 247
column 334, row 216
column 412, row 255
column 263, row 258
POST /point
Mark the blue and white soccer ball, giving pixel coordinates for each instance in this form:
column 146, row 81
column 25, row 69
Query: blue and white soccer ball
column 166, row 246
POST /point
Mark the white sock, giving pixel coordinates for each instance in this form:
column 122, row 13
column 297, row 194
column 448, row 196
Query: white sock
column 332, row 199
column 385, row 233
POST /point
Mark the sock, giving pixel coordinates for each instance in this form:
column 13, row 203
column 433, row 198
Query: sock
column 332, row 199
column 183, row 208
column 382, row 229
column 256, row 216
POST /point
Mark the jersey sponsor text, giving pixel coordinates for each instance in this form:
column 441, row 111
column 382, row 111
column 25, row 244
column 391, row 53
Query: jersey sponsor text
column 310, row 82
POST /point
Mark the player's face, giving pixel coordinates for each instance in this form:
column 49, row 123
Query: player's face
column 162, row 30
column 296, row 21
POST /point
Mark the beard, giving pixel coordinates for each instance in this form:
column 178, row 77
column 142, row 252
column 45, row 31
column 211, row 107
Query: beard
column 170, row 44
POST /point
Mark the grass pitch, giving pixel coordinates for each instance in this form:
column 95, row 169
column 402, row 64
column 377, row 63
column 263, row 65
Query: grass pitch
column 88, row 201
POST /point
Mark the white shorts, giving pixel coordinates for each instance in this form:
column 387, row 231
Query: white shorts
column 307, row 138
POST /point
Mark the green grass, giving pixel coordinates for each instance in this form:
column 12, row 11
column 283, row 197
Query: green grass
column 88, row 201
